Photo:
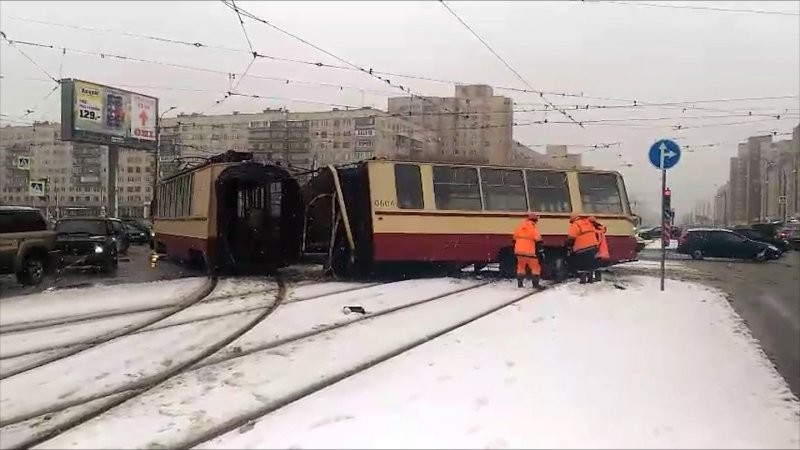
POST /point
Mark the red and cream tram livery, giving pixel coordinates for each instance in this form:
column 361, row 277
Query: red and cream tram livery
column 229, row 213
column 381, row 211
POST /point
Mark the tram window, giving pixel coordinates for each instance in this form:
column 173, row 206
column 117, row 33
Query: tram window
column 600, row 193
column 408, row 185
column 503, row 190
column 456, row 188
column 548, row 191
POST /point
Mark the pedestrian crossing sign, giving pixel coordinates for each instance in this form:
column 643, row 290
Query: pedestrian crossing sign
column 24, row 162
column 37, row 188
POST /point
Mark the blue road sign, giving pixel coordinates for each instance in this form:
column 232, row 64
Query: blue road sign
column 665, row 154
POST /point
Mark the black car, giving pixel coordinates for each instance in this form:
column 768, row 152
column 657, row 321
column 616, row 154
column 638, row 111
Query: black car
column 655, row 233
column 782, row 244
column 142, row 225
column 722, row 243
column 136, row 235
column 87, row 242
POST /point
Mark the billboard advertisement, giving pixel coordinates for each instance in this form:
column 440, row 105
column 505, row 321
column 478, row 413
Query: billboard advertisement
column 97, row 114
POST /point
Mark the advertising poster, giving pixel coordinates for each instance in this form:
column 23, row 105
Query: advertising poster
column 88, row 106
column 143, row 117
column 116, row 106
column 105, row 115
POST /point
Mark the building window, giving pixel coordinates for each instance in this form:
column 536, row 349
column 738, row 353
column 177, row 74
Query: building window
column 408, row 185
column 548, row 191
column 363, row 144
column 503, row 190
column 346, row 144
column 361, row 155
column 600, row 193
column 456, row 188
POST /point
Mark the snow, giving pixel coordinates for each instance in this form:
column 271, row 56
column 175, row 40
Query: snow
column 574, row 366
column 205, row 398
column 63, row 304
column 113, row 365
column 296, row 319
column 656, row 244
column 578, row 366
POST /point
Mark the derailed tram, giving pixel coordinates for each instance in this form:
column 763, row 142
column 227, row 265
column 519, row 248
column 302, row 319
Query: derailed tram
column 381, row 213
column 230, row 214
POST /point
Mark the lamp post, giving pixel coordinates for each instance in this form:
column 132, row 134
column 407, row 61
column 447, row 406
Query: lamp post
column 157, row 167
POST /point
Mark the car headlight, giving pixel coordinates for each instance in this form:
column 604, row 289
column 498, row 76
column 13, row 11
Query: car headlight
column 98, row 249
column 773, row 248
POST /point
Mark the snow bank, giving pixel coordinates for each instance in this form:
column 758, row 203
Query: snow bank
column 72, row 303
column 578, row 366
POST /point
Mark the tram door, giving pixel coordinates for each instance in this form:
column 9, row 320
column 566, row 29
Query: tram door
column 252, row 223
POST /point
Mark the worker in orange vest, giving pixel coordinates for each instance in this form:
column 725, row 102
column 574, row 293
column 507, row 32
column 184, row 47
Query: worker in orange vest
column 529, row 250
column 603, row 256
column 582, row 246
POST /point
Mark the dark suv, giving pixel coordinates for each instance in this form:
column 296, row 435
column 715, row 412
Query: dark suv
column 87, row 242
column 722, row 243
column 26, row 245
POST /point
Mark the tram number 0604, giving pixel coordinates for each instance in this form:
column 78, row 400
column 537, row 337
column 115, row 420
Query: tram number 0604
column 384, row 203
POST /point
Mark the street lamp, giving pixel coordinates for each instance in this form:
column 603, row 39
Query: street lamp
column 157, row 167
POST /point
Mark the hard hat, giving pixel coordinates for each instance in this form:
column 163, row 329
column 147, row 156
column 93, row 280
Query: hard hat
column 533, row 216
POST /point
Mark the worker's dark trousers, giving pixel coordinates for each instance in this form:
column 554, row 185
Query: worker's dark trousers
column 585, row 262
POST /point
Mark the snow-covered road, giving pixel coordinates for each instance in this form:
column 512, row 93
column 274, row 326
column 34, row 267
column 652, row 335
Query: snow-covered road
column 432, row 363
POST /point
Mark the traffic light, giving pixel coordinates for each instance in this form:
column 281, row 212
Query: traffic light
column 667, row 213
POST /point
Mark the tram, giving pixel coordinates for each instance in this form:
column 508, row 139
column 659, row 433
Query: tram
column 230, row 214
column 381, row 212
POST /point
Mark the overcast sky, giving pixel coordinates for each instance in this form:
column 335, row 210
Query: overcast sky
column 613, row 50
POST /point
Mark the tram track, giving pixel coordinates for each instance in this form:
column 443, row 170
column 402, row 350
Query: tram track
column 250, row 417
column 156, row 327
column 22, row 327
column 63, row 405
column 191, row 299
column 137, row 388
column 132, row 390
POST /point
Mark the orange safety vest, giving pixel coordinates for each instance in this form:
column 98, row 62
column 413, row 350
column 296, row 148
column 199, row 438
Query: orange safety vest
column 525, row 236
column 583, row 232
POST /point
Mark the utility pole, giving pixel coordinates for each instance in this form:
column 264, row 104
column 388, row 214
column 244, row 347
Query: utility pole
column 157, row 162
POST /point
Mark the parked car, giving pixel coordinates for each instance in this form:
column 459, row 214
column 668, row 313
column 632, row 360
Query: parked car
column 142, row 224
column 791, row 232
column 87, row 242
column 27, row 246
column 655, row 233
column 120, row 236
column 761, row 236
column 722, row 243
column 136, row 235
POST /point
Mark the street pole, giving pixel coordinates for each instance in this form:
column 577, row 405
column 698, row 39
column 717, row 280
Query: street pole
column 157, row 165
column 664, row 223
column 113, row 166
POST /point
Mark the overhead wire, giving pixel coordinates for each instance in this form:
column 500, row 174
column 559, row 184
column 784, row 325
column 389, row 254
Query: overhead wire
column 42, row 69
column 502, row 60
column 319, row 64
column 703, row 8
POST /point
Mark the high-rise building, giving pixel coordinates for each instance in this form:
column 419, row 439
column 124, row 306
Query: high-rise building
column 75, row 175
column 475, row 125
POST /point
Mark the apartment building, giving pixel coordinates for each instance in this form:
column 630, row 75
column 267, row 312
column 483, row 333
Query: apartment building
column 475, row 125
column 763, row 181
column 555, row 156
column 75, row 175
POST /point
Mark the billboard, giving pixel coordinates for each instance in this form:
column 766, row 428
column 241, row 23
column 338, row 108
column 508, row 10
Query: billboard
column 98, row 114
